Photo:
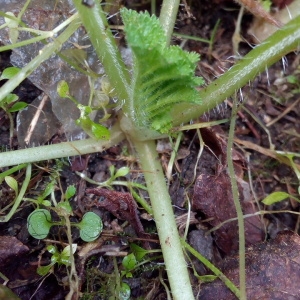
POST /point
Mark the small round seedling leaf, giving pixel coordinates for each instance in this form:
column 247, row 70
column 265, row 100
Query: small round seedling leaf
column 125, row 291
column 52, row 249
column 100, row 132
column 10, row 72
column 39, row 223
column 65, row 254
column 129, row 262
column 63, row 89
column 70, row 192
column 122, row 172
column 90, row 227
column 12, row 183
column 18, row 106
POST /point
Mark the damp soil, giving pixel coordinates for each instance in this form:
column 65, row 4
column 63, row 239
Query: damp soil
column 268, row 112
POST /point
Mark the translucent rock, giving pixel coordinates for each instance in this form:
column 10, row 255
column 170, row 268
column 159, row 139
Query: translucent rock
column 36, row 124
column 55, row 69
column 46, row 15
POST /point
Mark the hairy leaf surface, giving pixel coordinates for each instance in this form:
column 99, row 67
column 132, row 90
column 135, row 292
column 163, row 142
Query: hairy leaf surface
column 162, row 76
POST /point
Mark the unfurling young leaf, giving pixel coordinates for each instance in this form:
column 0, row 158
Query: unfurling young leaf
column 162, row 76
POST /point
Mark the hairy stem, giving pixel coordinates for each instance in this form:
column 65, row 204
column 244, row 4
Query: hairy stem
column 168, row 16
column 96, row 25
column 238, row 207
column 59, row 150
column 165, row 222
column 283, row 41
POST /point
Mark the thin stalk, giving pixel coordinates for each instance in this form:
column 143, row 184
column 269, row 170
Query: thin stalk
column 165, row 222
column 237, row 204
column 59, row 150
column 96, row 25
column 283, row 41
column 214, row 269
column 168, row 16
column 19, row 196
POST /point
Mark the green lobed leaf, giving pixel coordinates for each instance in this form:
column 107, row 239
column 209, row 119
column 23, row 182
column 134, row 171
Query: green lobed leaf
column 162, row 76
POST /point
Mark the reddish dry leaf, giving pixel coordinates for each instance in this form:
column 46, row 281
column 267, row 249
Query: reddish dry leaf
column 10, row 248
column 213, row 196
column 121, row 205
column 272, row 271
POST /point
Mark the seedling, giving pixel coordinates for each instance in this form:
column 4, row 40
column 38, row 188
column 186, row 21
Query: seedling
column 94, row 130
column 9, row 103
column 39, row 223
column 295, row 81
column 60, row 258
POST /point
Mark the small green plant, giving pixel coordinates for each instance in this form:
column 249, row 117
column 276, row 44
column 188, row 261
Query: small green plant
column 60, row 258
column 295, row 81
column 10, row 103
column 94, row 130
column 39, row 223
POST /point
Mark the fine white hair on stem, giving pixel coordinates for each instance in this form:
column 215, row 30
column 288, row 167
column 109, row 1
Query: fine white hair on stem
column 284, row 63
column 241, row 95
column 267, row 73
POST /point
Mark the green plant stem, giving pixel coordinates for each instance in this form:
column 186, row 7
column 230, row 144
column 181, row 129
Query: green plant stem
column 10, row 171
column 283, row 41
column 19, row 196
column 165, row 222
column 59, row 150
column 168, row 16
column 237, row 204
column 46, row 53
column 96, row 25
column 210, row 266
